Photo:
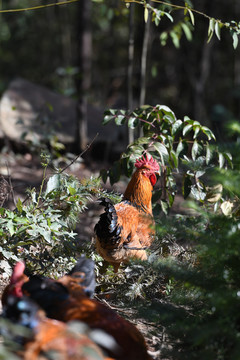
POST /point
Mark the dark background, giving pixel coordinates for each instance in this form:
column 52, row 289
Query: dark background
column 197, row 79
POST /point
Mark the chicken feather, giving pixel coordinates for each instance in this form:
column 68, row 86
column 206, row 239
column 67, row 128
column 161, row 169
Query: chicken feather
column 67, row 300
column 126, row 229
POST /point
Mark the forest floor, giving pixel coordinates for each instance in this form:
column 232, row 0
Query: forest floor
column 26, row 172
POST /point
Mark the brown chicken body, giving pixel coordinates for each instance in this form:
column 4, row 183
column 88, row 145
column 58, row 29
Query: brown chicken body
column 44, row 337
column 66, row 300
column 73, row 304
column 126, row 229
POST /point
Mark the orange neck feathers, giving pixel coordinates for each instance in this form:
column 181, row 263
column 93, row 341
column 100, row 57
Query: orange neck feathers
column 139, row 191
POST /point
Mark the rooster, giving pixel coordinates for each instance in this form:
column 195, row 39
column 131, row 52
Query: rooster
column 39, row 337
column 67, row 299
column 126, row 229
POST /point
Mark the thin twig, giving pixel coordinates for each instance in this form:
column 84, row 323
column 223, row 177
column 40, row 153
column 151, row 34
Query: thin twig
column 83, row 152
column 105, row 302
column 179, row 7
column 38, row 7
column 10, row 183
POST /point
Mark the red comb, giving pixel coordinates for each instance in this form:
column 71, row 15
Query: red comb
column 17, row 272
column 147, row 161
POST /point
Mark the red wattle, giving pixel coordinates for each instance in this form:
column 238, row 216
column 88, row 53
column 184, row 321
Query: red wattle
column 153, row 179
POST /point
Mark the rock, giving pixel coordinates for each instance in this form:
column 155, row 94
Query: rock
column 33, row 112
column 29, row 111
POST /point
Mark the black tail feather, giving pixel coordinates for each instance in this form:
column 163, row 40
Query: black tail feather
column 107, row 227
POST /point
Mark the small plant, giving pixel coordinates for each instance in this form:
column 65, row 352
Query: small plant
column 42, row 228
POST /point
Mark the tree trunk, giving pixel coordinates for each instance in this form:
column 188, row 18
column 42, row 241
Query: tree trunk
column 144, row 60
column 144, row 66
column 200, row 112
column 130, row 67
column 84, row 81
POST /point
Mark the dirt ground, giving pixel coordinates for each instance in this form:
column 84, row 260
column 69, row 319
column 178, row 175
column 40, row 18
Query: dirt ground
column 25, row 171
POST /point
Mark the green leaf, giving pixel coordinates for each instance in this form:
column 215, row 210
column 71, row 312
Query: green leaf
column 19, row 205
column 221, row 160
column 109, row 115
column 186, row 118
column 142, row 140
column 187, row 129
column 196, row 131
column 133, row 122
column 10, row 227
column 157, row 20
column 162, row 150
column 72, row 190
column 235, row 40
column 217, row 30
column 200, row 173
column 107, row 119
column 7, row 254
column 228, row 157
column 208, row 132
column 20, row 230
column 145, row 14
column 164, row 206
column 176, row 126
column 169, row 16
column 191, row 16
column 174, row 157
column 198, row 194
column 209, row 154
column 175, row 39
column 187, row 31
column 195, row 150
column 166, row 110
column 46, row 234
column 171, row 197
column 120, row 119
column 163, row 38
column 181, row 146
column 53, row 183
column 210, row 37
column 211, row 26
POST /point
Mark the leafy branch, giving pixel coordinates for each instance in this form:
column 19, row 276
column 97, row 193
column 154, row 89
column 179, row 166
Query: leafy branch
column 180, row 146
column 215, row 25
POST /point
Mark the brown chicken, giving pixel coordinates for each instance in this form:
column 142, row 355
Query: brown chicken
column 67, row 299
column 40, row 337
column 126, row 229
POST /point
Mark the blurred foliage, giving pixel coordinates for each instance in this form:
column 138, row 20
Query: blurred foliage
column 48, row 55
column 203, row 318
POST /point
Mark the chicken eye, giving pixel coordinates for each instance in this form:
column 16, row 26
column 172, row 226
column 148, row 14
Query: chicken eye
column 153, row 179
